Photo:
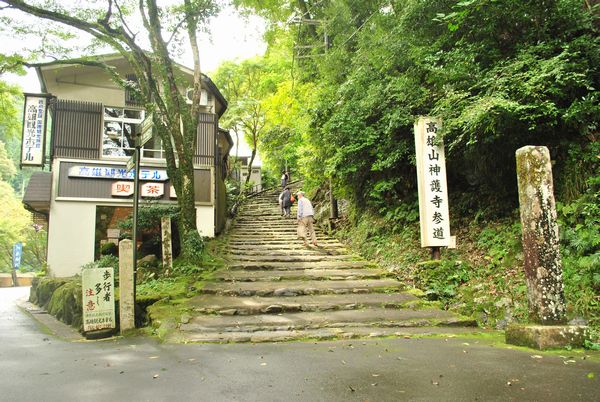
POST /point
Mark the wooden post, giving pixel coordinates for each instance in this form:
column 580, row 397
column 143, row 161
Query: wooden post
column 436, row 253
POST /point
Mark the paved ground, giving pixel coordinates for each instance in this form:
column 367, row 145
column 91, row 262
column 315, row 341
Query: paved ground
column 36, row 366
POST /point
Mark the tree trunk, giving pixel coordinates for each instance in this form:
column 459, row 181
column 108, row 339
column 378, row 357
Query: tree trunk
column 250, row 162
column 190, row 240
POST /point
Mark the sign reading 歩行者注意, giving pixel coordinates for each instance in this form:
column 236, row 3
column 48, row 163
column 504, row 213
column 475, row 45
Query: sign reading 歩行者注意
column 34, row 130
column 98, row 298
column 431, row 177
column 103, row 172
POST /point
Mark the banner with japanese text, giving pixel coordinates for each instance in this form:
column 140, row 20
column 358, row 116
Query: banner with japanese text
column 98, row 301
column 431, row 178
column 34, row 130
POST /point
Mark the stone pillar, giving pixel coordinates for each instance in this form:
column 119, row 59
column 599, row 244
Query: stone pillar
column 543, row 267
column 126, row 299
column 167, row 244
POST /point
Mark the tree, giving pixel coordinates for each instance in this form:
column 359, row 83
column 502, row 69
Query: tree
column 152, row 58
column 247, row 85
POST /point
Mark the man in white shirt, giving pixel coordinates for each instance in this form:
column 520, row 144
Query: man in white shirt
column 305, row 219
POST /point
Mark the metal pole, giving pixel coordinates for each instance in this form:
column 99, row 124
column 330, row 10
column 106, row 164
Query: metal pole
column 136, row 186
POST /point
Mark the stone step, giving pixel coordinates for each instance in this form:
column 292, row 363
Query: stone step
column 257, row 265
column 301, row 275
column 265, row 227
column 299, row 288
column 284, row 238
column 321, row 334
column 327, row 242
column 281, row 245
column 274, row 248
column 371, row 317
column 288, row 237
column 278, row 222
column 295, row 252
column 276, row 231
column 267, row 218
column 291, row 258
column 226, row 305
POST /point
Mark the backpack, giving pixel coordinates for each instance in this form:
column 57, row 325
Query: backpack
column 292, row 199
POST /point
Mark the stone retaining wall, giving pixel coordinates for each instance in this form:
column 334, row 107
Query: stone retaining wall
column 23, row 279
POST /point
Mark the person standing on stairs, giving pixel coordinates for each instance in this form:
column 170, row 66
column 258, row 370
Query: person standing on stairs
column 286, row 202
column 305, row 220
column 284, row 179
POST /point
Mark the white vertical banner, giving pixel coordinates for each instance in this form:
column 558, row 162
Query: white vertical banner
column 431, row 178
column 98, row 288
column 34, row 130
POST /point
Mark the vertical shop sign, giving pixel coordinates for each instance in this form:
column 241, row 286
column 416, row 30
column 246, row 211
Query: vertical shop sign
column 431, row 177
column 34, row 130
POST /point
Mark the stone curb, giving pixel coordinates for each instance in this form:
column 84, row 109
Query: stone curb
column 55, row 327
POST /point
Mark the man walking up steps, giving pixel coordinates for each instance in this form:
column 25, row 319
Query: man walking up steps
column 305, row 220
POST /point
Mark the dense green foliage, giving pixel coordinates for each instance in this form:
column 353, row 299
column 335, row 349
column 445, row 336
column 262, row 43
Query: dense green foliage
column 502, row 74
column 580, row 239
column 15, row 221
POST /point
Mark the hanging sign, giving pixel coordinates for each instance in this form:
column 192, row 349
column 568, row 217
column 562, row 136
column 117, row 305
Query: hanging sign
column 153, row 190
column 98, row 301
column 34, row 130
column 122, row 189
column 103, row 172
column 145, row 132
column 431, row 177
column 17, row 254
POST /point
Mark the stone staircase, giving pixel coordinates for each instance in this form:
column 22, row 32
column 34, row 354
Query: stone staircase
column 277, row 289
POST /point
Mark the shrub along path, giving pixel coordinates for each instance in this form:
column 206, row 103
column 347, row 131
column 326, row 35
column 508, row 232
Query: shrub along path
column 277, row 289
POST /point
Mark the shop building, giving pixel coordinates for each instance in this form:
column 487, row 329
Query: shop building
column 84, row 186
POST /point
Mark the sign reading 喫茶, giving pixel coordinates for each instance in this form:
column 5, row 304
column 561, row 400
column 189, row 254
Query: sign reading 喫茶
column 431, row 177
column 34, row 130
column 98, row 298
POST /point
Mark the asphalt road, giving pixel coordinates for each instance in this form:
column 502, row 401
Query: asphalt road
column 35, row 366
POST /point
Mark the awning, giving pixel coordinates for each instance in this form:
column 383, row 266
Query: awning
column 38, row 192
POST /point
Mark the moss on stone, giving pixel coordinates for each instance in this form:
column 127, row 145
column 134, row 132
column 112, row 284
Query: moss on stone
column 66, row 304
column 42, row 290
column 61, row 297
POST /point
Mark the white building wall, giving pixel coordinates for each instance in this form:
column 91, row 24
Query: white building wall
column 205, row 220
column 71, row 237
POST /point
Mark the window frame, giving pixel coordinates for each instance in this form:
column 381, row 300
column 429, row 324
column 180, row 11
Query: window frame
column 122, row 120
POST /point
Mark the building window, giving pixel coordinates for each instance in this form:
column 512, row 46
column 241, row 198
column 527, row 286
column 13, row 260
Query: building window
column 121, row 126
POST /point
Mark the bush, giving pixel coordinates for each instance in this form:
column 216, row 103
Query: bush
column 109, row 248
column 579, row 227
column 441, row 279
